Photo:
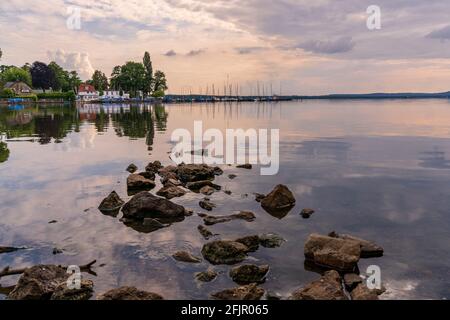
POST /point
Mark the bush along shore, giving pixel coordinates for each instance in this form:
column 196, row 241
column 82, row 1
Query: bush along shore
column 335, row 256
column 51, row 97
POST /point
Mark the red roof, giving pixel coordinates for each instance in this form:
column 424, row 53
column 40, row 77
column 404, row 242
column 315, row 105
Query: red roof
column 86, row 88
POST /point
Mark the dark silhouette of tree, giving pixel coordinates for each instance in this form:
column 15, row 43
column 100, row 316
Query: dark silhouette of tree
column 148, row 78
column 42, row 76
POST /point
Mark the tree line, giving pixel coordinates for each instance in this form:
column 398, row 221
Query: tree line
column 132, row 77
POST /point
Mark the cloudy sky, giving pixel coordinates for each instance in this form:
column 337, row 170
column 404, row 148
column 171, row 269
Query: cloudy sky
column 302, row 46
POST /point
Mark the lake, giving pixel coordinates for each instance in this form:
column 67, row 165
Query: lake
column 376, row 169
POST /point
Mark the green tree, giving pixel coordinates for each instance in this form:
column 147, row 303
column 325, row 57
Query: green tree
column 148, row 79
column 61, row 77
column 16, row 74
column 115, row 78
column 160, row 82
column 132, row 77
column 99, row 80
column 42, row 76
column 1, row 53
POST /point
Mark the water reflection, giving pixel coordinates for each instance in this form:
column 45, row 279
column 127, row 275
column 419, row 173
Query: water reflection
column 4, row 152
column 435, row 159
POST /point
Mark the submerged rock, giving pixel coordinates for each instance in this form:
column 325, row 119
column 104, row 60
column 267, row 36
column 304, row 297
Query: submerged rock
column 232, row 176
column 224, row 252
column 307, row 213
column 146, row 205
column 198, row 185
column 132, row 168
column 369, row 249
column 9, row 249
column 184, row 256
column 138, row 182
column 247, row 166
column 205, row 232
column 111, row 203
column 279, row 202
column 39, row 283
column 154, row 223
column 328, row 287
column 248, row 292
column 249, row 273
column 251, row 242
column 57, row 251
column 195, row 172
column 129, row 293
column 242, row 215
column 334, row 253
column 85, row 292
column 271, row 240
column 207, row 205
column 259, row 197
column 170, row 192
column 206, row 276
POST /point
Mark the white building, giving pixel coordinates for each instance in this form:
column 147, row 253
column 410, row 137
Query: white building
column 87, row 92
column 114, row 95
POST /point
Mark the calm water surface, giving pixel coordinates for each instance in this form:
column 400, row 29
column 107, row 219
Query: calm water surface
column 375, row 169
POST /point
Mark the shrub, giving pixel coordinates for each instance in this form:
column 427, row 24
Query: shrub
column 70, row 95
column 7, row 93
column 158, row 94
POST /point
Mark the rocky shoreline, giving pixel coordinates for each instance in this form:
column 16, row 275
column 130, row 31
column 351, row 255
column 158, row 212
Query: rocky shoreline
column 337, row 255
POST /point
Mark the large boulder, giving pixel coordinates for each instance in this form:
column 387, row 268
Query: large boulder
column 249, row 273
column 248, row 292
column 129, row 293
column 146, row 205
column 328, row 287
column 333, row 253
column 279, row 202
column 225, row 252
column 39, row 283
column 369, row 249
column 138, row 182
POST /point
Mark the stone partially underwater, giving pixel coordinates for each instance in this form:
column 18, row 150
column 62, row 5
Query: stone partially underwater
column 279, row 202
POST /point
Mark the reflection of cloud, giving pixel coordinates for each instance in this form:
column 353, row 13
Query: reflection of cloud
column 434, row 159
column 82, row 140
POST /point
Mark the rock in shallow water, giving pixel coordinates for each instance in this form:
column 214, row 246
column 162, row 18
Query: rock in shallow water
column 307, row 213
column 251, row 242
column 129, row 293
column 85, row 292
column 249, row 273
column 224, row 252
column 206, row 205
column 132, row 168
column 242, row 215
column 207, row 234
column 39, row 283
column 334, row 253
column 206, row 276
column 184, row 256
column 352, row 280
column 328, row 287
column 271, row 240
column 170, row 192
column 248, row 292
column 138, row 182
column 111, row 203
column 195, row 172
column 361, row 292
column 279, row 202
column 369, row 249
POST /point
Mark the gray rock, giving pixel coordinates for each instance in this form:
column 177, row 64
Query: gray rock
column 129, row 293
column 224, row 252
column 248, row 292
column 334, row 253
column 249, row 273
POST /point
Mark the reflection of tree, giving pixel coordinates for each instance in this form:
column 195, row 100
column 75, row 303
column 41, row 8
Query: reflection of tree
column 138, row 123
column 4, row 152
column 101, row 121
column 45, row 122
column 161, row 117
